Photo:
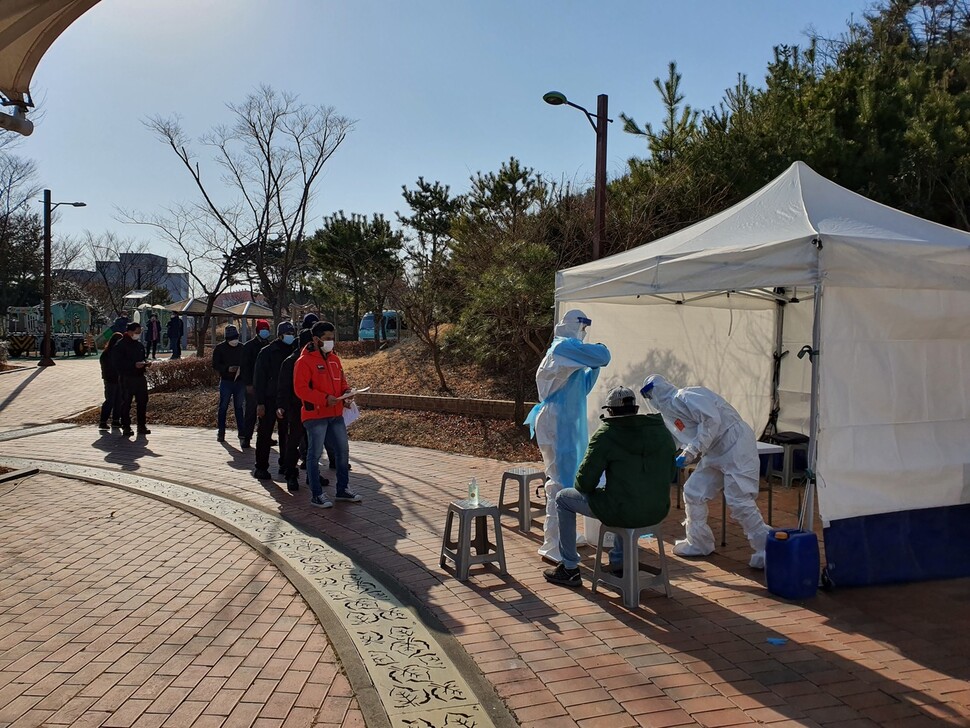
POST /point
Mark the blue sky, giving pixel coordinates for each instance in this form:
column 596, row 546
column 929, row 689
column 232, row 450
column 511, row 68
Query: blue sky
column 439, row 88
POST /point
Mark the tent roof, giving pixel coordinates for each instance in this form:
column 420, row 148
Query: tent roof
column 27, row 30
column 251, row 309
column 764, row 241
column 196, row 307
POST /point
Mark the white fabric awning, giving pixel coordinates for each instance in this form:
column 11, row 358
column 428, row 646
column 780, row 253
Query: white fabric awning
column 27, row 30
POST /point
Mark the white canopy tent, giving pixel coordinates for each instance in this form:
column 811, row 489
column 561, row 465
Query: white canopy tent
column 881, row 300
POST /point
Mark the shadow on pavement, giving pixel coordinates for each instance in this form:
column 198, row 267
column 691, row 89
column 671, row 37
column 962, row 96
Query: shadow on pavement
column 122, row 451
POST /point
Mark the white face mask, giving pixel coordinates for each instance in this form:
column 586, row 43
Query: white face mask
column 327, row 346
column 582, row 335
column 234, row 342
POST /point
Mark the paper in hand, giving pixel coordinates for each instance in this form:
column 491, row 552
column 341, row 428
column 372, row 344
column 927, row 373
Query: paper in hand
column 353, row 393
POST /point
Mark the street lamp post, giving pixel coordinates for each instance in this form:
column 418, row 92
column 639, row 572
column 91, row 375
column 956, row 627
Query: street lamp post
column 598, row 122
column 45, row 359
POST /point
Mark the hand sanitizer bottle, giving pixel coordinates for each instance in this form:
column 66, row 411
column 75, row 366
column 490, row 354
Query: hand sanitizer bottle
column 473, row 491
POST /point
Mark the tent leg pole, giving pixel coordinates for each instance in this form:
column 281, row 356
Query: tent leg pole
column 808, row 505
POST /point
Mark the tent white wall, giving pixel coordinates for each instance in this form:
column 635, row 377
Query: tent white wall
column 891, row 441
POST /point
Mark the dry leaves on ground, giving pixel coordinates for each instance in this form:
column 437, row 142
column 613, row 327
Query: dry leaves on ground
column 477, row 436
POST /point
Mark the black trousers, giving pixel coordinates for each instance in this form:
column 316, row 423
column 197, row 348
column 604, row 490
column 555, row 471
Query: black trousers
column 111, row 408
column 249, row 423
column 292, row 423
column 264, row 435
column 152, row 348
column 136, row 387
column 176, row 348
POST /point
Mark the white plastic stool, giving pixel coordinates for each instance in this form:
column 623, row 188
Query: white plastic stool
column 634, row 580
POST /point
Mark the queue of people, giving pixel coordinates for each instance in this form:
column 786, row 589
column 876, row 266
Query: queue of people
column 296, row 388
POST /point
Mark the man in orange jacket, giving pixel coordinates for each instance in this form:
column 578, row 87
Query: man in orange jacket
column 318, row 380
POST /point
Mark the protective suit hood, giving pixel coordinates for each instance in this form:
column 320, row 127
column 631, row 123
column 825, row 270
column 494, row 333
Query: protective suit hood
column 662, row 393
column 570, row 324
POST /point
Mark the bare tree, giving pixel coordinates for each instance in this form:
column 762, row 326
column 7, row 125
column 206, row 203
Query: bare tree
column 213, row 259
column 117, row 268
column 271, row 157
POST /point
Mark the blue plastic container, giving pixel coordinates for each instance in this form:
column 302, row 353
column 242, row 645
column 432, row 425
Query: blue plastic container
column 792, row 563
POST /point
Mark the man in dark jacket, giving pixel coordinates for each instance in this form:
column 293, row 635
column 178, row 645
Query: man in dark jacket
column 265, row 384
column 227, row 360
column 251, row 350
column 288, row 411
column 131, row 360
column 174, row 329
column 636, row 453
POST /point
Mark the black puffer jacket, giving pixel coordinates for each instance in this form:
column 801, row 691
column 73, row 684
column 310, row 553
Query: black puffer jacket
column 267, row 371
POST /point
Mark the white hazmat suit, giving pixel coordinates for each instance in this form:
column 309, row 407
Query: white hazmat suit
column 565, row 376
column 707, row 426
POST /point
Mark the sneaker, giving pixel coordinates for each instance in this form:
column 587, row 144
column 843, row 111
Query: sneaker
column 128, row 433
column 321, row 501
column 262, row 474
column 144, row 431
column 292, row 485
column 116, row 423
column 333, row 466
column 348, row 497
column 243, row 443
column 615, row 569
column 563, row 576
column 102, row 425
column 221, row 437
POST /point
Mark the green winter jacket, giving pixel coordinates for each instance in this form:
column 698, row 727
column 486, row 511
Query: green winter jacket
column 637, row 454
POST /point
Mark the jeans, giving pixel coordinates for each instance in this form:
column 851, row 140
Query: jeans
column 317, row 431
column 569, row 502
column 234, row 389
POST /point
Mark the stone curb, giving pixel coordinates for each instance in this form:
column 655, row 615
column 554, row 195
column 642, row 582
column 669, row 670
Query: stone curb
column 388, row 654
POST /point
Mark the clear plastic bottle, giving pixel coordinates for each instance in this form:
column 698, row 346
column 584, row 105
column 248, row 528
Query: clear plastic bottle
column 473, row 491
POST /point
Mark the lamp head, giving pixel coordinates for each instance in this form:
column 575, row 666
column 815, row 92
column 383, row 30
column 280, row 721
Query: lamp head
column 79, row 204
column 554, row 98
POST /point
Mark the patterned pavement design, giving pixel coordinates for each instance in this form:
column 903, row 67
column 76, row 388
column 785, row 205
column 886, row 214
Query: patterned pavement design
column 118, row 610
column 888, row 656
column 413, row 676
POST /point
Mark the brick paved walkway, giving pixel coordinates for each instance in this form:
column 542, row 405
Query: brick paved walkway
column 36, row 395
column 118, row 611
column 891, row 656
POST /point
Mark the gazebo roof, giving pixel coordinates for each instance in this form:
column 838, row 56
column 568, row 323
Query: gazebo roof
column 251, row 309
column 196, row 307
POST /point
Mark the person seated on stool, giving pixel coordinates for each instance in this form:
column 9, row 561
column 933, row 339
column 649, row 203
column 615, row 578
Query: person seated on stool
column 636, row 453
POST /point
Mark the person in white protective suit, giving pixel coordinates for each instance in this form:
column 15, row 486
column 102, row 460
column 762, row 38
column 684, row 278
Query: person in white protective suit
column 565, row 376
column 710, row 429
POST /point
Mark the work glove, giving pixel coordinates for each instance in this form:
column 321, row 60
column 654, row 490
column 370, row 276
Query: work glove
column 687, row 456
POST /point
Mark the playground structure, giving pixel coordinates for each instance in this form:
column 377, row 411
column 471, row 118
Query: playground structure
column 72, row 329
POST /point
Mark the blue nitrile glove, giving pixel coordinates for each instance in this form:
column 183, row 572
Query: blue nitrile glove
column 680, row 461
